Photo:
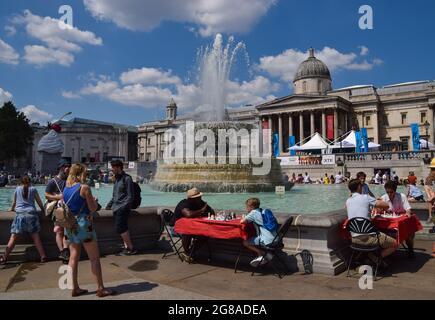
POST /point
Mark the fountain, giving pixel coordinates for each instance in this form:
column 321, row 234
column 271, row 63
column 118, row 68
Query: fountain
column 226, row 156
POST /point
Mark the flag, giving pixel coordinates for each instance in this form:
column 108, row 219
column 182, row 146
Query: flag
column 275, row 145
column 291, row 143
column 415, row 136
column 365, row 139
column 357, row 141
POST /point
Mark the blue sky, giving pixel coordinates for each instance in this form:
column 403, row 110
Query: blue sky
column 122, row 63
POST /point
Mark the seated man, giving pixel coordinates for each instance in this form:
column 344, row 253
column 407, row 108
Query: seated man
column 192, row 207
column 413, row 193
column 398, row 203
column 359, row 206
column 263, row 237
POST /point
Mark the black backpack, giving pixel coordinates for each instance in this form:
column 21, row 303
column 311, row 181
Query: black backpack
column 137, row 199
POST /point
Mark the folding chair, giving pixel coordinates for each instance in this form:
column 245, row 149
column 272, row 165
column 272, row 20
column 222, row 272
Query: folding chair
column 274, row 248
column 168, row 221
column 364, row 226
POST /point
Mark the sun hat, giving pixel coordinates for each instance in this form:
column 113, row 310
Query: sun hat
column 432, row 164
column 193, row 193
column 63, row 163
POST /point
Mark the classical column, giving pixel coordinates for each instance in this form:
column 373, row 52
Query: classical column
column 375, row 127
column 346, row 122
column 157, row 146
column 301, row 126
column 430, row 119
column 271, row 134
column 312, row 124
column 290, row 124
column 335, row 124
column 146, row 146
column 324, row 123
column 280, row 133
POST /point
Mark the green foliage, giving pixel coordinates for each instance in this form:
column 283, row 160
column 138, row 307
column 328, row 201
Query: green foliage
column 16, row 134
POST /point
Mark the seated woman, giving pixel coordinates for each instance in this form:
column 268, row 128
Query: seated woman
column 192, row 207
column 398, row 203
column 413, row 193
column 26, row 219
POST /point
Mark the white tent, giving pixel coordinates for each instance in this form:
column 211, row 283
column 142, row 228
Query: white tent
column 350, row 142
column 424, row 144
column 315, row 143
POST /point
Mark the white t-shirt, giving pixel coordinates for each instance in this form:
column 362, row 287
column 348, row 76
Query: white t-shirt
column 338, row 178
column 307, row 179
column 377, row 178
column 399, row 204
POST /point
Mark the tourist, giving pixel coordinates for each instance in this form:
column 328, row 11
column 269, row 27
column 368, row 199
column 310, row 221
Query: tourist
column 264, row 236
column 385, row 177
column 53, row 192
column 300, row 178
column 332, row 179
column 412, row 178
column 26, row 219
column 358, row 206
column 77, row 194
column 3, row 180
column 430, row 179
column 120, row 204
column 326, row 179
column 293, row 178
column 378, row 177
column 191, row 207
column 307, row 178
column 413, row 192
column 361, row 176
column 394, row 176
column 398, row 204
column 339, row 178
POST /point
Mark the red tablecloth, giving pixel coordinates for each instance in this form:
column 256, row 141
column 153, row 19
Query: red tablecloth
column 404, row 226
column 214, row 229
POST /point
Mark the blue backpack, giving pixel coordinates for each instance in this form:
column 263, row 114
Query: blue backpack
column 269, row 220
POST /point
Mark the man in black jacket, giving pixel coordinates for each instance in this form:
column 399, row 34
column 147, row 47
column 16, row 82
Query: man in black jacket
column 120, row 204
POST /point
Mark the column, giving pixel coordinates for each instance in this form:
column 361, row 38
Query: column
column 430, row 119
column 346, row 122
column 280, row 133
column 375, row 127
column 301, row 126
column 335, row 124
column 157, row 146
column 146, row 146
column 271, row 134
column 312, row 124
column 324, row 123
column 290, row 124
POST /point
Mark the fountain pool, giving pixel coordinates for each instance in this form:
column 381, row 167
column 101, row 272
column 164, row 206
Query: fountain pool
column 304, row 199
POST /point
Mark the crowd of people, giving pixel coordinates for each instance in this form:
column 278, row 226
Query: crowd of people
column 326, row 179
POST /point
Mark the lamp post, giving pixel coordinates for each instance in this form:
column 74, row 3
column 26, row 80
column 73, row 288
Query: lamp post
column 427, row 126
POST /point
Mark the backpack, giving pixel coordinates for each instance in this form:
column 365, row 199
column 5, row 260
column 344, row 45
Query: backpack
column 63, row 215
column 137, row 199
column 269, row 220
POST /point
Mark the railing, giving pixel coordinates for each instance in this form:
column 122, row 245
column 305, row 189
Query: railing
column 425, row 155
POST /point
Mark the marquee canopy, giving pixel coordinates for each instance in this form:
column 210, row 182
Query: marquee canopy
column 350, row 142
column 315, row 143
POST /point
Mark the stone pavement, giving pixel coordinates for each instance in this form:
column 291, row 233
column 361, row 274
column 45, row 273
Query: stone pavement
column 147, row 276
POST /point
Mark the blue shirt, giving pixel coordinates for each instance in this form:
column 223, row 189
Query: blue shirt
column 414, row 191
column 72, row 197
column 266, row 237
column 25, row 205
column 359, row 206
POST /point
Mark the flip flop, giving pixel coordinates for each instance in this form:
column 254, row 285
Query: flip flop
column 80, row 292
column 105, row 293
column 2, row 260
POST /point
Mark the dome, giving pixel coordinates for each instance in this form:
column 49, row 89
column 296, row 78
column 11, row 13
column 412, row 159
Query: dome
column 312, row 68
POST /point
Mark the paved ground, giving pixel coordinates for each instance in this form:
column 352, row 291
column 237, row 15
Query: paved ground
column 147, row 276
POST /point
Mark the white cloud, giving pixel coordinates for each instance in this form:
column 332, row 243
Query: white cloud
column 364, row 50
column 286, row 64
column 60, row 41
column 70, row 95
column 208, row 16
column 36, row 115
column 5, row 96
column 10, row 30
column 40, row 55
column 253, row 92
column 8, row 54
column 149, row 76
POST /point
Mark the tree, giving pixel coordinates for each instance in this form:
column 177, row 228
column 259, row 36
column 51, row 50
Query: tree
column 16, row 134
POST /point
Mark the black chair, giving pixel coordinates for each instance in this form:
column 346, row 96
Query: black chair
column 168, row 221
column 364, row 226
column 274, row 248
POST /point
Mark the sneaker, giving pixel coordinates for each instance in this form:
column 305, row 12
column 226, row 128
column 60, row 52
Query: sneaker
column 269, row 256
column 128, row 252
column 64, row 255
column 254, row 263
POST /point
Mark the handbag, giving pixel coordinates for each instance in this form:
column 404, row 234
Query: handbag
column 64, row 216
column 50, row 206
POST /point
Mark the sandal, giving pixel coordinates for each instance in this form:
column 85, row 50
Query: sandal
column 79, row 292
column 44, row 259
column 101, row 293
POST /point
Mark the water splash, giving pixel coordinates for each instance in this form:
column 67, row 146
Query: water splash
column 214, row 69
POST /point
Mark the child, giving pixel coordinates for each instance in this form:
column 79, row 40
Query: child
column 263, row 237
column 26, row 219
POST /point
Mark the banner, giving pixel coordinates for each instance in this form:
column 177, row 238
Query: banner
column 330, row 127
column 358, row 141
column 275, row 145
column 289, row 161
column 415, row 136
column 291, row 143
column 365, row 139
column 328, row 159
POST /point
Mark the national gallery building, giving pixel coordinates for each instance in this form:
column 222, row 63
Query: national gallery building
column 315, row 106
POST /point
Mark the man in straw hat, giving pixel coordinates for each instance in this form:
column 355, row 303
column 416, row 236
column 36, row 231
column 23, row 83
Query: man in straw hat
column 191, row 207
column 428, row 188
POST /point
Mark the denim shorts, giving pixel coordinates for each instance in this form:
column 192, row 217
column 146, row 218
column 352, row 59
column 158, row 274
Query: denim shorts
column 83, row 232
column 25, row 223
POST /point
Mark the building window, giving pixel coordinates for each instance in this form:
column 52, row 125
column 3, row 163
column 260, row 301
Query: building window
column 368, row 122
column 403, row 115
column 148, row 156
column 304, row 86
column 149, row 141
column 423, row 117
column 319, row 84
column 405, row 142
column 386, row 122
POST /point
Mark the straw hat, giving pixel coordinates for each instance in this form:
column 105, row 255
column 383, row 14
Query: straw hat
column 193, row 193
column 432, row 164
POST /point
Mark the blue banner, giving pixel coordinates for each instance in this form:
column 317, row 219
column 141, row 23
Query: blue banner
column 365, row 139
column 275, row 145
column 415, row 136
column 291, row 143
column 358, row 141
